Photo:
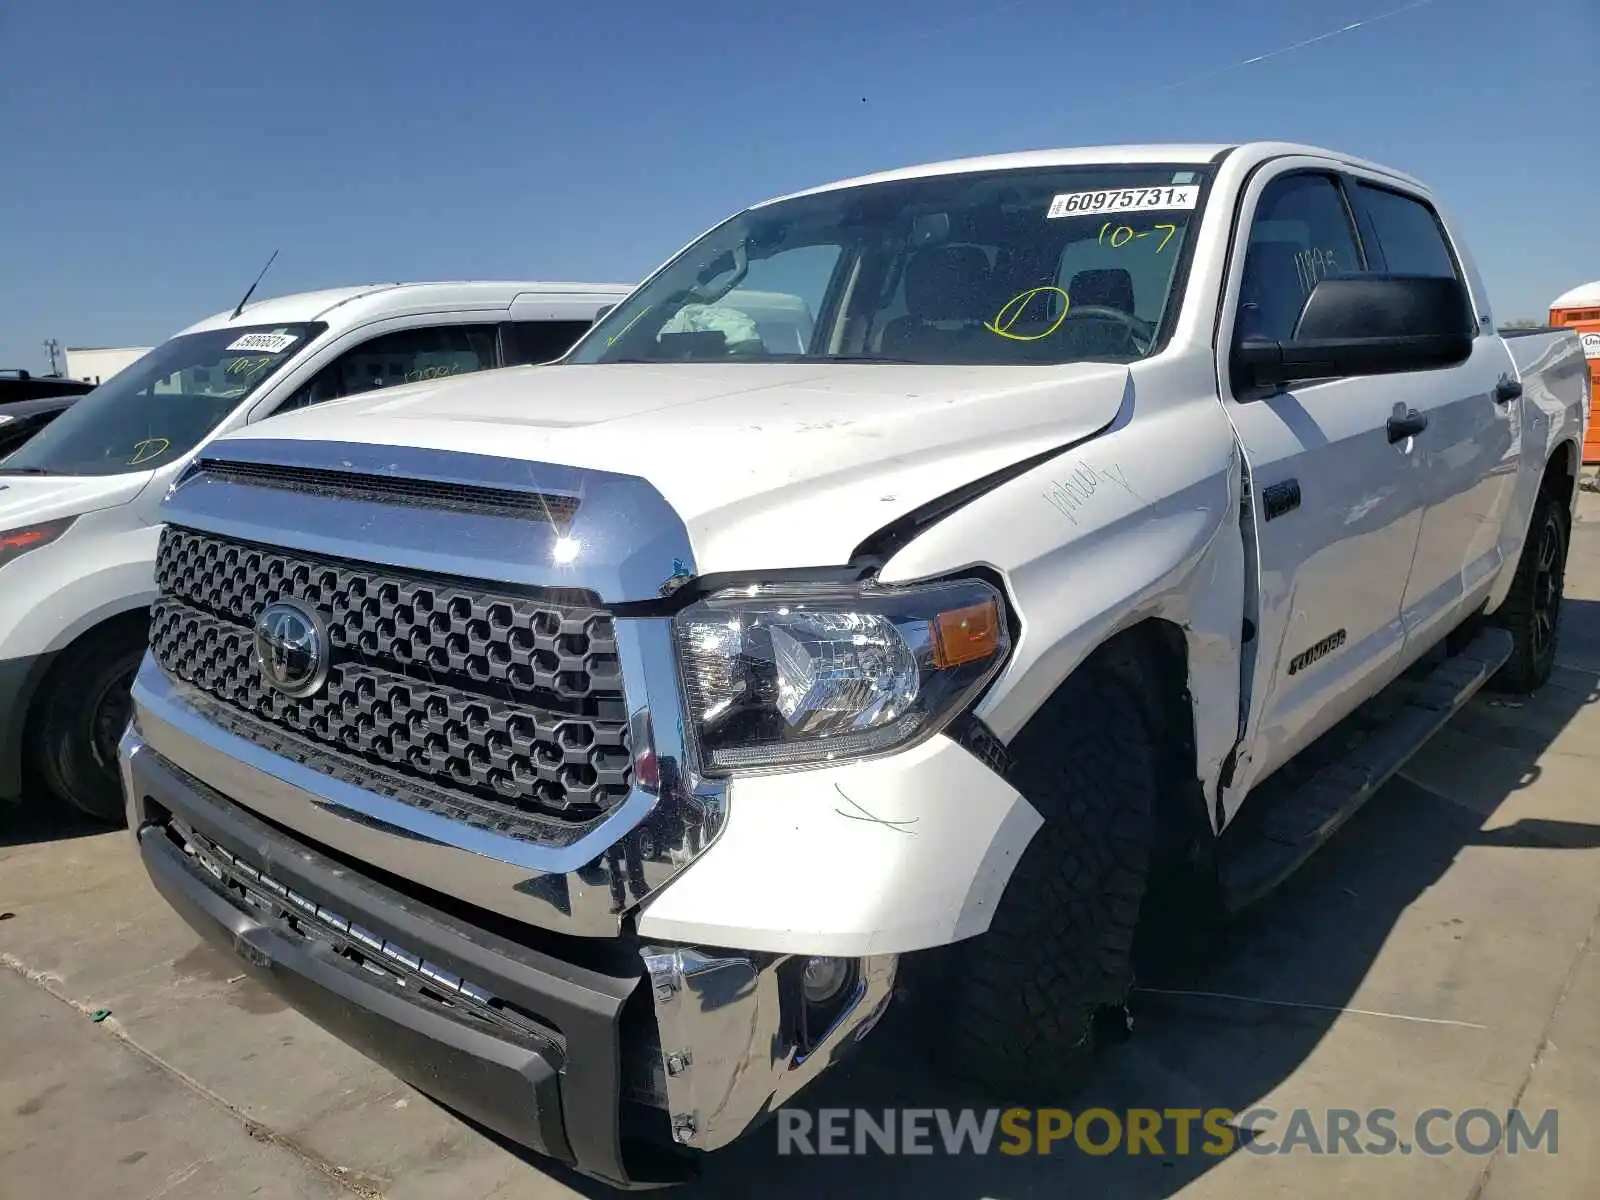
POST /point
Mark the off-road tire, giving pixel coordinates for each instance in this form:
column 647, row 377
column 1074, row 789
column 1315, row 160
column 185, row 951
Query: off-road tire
column 1026, row 1003
column 77, row 718
column 1532, row 609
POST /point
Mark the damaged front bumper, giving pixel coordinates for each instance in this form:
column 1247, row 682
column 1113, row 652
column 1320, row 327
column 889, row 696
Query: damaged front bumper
column 738, row 1038
column 607, row 1054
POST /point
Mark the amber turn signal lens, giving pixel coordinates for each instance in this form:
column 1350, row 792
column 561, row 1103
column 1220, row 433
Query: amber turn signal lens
column 15, row 542
column 965, row 635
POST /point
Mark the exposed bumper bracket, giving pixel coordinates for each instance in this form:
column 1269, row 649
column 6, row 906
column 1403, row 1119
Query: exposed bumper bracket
column 730, row 1051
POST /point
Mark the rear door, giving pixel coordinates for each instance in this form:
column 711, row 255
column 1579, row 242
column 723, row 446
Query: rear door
column 1473, row 437
column 1336, row 506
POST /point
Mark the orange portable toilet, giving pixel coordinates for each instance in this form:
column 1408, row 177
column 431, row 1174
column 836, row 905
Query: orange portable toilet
column 1580, row 309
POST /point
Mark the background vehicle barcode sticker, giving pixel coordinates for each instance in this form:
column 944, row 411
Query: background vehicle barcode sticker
column 1071, row 204
column 266, row 343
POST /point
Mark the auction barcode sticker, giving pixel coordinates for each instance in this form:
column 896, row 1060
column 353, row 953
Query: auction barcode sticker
column 265, row 343
column 1072, row 204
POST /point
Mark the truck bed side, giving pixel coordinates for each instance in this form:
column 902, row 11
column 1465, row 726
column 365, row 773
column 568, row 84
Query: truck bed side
column 1555, row 400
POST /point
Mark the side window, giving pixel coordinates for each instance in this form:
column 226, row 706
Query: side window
column 406, row 356
column 1301, row 233
column 771, row 311
column 1409, row 235
column 524, row 343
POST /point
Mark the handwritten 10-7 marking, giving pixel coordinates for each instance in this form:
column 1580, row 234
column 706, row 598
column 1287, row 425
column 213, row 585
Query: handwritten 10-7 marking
column 1123, row 234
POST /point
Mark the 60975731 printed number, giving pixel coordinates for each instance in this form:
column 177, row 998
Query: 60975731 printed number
column 1070, row 204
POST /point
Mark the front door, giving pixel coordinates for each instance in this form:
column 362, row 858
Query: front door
column 1336, row 505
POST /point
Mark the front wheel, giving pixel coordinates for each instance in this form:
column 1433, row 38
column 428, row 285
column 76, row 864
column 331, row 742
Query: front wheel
column 80, row 716
column 1532, row 610
column 1028, row 1001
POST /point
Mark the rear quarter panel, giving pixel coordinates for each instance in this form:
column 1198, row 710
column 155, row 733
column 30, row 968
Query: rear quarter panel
column 1555, row 412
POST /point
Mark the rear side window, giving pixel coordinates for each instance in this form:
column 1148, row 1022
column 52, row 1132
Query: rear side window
column 526, row 343
column 1408, row 233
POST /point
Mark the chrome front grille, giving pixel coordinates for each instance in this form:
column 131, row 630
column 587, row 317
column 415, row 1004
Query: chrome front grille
column 501, row 708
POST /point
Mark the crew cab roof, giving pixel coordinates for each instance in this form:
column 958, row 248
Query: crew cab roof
column 1184, row 153
column 356, row 305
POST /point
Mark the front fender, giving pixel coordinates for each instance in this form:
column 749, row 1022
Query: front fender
column 52, row 596
column 1139, row 523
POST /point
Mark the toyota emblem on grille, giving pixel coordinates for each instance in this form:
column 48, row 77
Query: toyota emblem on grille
column 291, row 648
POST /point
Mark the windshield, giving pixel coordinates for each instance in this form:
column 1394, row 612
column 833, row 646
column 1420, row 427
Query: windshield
column 160, row 408
column 1053, row 265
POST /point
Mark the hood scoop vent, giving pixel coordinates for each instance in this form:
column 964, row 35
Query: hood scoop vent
column 551, row 508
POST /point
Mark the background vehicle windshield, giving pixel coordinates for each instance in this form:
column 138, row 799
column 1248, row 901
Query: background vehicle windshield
column 160, row 408
column 1022, row 266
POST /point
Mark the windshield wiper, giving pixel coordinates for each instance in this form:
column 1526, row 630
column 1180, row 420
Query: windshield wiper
column 836, row 358
column 772, row 358
column 26, row 471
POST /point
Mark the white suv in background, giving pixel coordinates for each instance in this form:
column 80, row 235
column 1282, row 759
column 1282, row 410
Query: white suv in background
column 79, row 501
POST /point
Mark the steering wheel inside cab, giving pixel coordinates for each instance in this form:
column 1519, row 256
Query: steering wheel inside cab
column 1092, row 316
column 1138, row 334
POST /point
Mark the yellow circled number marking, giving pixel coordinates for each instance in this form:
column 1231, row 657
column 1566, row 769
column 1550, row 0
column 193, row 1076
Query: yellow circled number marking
column 147, row 449
column 1011, row 312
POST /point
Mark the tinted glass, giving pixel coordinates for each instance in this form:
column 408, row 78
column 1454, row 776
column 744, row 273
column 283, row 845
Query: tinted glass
column 162, row 406
column 524, row 343
column 406, row 356
column 1023, row 266
column 1300, row 233
column 1408, row 233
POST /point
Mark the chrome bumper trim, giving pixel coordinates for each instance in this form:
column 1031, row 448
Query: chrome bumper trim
column 726, row 1051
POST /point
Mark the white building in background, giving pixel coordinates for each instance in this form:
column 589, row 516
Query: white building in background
column 96, row 364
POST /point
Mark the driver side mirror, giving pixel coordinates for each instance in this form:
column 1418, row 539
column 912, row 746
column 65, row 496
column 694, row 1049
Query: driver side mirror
column 600, row 313
column 1364, row 325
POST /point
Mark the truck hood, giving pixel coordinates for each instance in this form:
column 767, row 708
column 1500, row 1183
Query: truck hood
column 27, row 499
column 769, row 465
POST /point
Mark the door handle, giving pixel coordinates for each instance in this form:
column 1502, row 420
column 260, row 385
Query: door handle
column 1408, row 425
column 1507, row 390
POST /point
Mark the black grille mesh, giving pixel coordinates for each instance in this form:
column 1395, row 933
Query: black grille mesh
column 511, row 705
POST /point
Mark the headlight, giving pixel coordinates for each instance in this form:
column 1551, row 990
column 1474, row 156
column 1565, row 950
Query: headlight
column 16, row 542
column 780, row 675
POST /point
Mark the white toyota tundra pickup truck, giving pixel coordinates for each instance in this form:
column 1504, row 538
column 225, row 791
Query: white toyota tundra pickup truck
column 916, row 574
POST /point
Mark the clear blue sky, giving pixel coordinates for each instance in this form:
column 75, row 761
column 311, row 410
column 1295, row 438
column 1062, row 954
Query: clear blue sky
column 153, row 154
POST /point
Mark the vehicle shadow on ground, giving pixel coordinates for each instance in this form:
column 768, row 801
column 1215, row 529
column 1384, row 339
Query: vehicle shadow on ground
column 40, row 817
column 1311, row 945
